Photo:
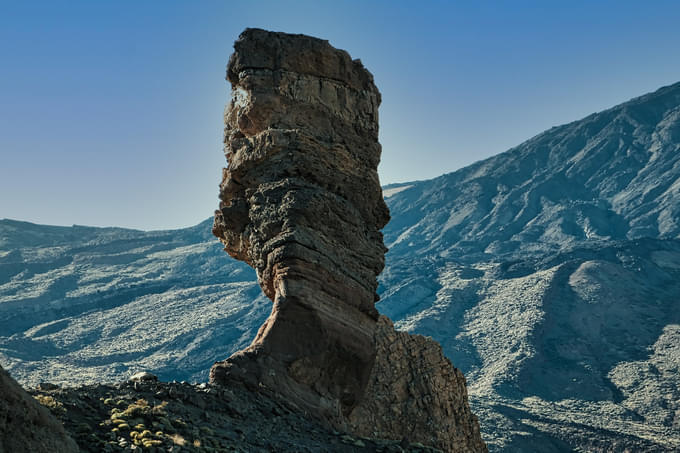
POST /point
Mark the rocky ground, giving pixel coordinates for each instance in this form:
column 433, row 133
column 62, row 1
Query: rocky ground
column 153, row 416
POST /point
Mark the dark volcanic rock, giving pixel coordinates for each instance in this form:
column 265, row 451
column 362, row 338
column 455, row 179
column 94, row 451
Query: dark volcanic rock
column 154, row 416
column 301, row 203
column 25, row 425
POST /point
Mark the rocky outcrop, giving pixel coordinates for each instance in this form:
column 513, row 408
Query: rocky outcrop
column 301, row 203
column 25, row 425
column 415, row 393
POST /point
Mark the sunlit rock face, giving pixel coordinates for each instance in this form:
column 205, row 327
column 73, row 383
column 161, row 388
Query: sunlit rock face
column 301, row 203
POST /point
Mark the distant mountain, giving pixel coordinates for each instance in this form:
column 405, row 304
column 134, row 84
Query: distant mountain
column 550, row 274
column 612, row 175
column 81, row 304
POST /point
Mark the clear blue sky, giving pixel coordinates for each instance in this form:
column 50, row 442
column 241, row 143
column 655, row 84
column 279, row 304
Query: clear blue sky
column 111, row 111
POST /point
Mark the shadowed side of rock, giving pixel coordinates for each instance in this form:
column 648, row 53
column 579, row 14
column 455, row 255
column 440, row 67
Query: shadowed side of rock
column 301, row 203
column 27, row 426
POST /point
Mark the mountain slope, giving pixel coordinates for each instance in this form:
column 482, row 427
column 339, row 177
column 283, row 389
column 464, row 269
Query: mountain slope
column 550, row 274
column 613, row 175
column 88, row 304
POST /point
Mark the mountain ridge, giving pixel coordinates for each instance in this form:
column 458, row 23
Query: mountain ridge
column 493, row 202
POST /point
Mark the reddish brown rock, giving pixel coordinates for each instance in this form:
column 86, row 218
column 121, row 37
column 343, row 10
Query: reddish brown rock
column 301, row 203
column 27, row 426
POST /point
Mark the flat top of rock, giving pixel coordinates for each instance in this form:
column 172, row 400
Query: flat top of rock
column 262, row 49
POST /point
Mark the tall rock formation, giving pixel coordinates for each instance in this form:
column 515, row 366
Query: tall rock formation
column 301, row 203
column 25, row 425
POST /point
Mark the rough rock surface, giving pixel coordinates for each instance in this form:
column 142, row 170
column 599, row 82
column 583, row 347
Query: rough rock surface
column 301, row 203
column 412, row 388
column 25, row 425
column 153, row 416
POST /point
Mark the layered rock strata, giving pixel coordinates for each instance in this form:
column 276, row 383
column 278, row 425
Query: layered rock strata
column 301, row 203
column 25, row 425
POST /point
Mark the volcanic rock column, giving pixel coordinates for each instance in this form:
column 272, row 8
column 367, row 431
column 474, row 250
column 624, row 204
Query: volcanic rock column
column 301, row 203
